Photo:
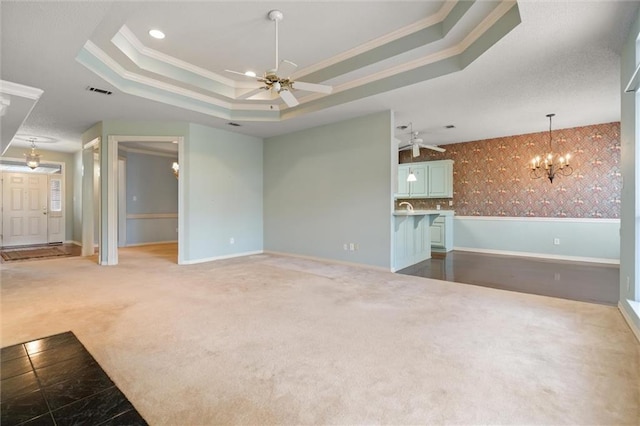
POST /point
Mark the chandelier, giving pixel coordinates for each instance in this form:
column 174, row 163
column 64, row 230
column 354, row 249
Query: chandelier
column 551, row 165
column 32, row 157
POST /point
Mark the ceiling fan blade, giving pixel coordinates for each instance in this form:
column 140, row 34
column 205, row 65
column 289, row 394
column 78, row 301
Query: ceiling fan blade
column 286, row 68
column 288, row 98
column 312, row 87
column 434, row 148
column 416, row 150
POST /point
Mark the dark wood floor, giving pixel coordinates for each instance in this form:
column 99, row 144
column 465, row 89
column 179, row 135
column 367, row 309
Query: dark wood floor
column 587, row 282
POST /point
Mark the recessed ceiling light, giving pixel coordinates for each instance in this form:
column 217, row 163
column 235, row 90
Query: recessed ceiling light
column 250, row 74
column 156, row 34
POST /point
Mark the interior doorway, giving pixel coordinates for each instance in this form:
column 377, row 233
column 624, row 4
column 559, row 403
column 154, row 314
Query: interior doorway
column 118, row 187
column 147, row 193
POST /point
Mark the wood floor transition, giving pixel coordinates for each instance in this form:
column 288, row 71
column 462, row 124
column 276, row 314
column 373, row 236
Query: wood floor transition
column 581, row 281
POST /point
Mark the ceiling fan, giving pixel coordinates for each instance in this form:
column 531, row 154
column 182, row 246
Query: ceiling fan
column 278, row 80
column 415, row 143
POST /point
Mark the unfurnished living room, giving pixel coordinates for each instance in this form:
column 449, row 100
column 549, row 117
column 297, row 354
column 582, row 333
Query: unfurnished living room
column 358, row 212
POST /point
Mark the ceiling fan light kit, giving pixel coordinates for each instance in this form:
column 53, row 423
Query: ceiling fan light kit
column 278, row 80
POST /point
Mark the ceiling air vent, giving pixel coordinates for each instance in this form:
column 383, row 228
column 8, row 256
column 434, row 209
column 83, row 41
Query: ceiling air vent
column 102, row 91
column 231, row 123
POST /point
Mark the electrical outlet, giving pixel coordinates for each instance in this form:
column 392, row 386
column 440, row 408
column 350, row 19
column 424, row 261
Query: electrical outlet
column 437, row 206
column 556, row 276
column 357, row 247
column 345, row 246
column 352, row 246
column 135, row 198
column 450, row 202
column 232, row 240
column 556, row 241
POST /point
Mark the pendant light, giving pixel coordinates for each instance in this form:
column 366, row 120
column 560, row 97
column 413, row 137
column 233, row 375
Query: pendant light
column 32, row 157
column 414, row 153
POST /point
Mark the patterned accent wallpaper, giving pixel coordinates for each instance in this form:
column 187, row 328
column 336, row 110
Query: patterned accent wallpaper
column 492, row 177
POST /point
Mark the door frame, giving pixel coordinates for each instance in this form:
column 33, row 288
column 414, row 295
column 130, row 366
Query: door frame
column 89, row 216
column 62, row 174
column 111, row 237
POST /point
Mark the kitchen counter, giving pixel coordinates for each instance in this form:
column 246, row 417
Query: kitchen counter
column 416, row 212
column 412, row 235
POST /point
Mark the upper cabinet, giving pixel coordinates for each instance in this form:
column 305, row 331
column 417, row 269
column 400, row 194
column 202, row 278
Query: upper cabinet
column 434, row 179
column 440, row 179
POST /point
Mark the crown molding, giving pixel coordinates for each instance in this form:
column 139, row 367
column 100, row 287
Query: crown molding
column 429, row 21
column 15, row 89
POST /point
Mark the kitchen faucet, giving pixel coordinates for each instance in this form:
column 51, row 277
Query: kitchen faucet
column 409, row 206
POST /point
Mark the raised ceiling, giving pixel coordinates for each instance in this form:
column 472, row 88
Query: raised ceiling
column 410, row 43
column 562, row 57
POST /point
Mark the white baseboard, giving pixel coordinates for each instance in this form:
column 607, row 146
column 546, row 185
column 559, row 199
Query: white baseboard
column 628, row 319
column 75, row 243
column 150, row 244
column 227, row 256
column 541, row 255
column 322, row 259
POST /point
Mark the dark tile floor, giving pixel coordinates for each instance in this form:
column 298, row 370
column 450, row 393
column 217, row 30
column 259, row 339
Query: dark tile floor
column 55, row 381
column 582, row 281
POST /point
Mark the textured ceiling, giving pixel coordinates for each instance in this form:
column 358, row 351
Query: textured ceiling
column 562, row 58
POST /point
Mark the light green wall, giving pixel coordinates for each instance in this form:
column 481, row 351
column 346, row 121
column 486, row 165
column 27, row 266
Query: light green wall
column 331, row 185
column 222, row 174
column 585, row 238
column 629, row 156
column 68, row 160
column 223, row 200
column 150, row 180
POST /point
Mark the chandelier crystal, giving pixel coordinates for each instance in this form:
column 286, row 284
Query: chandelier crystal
column 551, row 164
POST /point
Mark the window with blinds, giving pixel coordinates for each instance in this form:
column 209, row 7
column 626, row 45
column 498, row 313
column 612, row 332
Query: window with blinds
column 55, row 195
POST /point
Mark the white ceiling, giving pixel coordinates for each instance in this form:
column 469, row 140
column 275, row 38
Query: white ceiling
column 563, row 58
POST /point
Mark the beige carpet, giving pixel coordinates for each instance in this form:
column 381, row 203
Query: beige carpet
column 276, row 340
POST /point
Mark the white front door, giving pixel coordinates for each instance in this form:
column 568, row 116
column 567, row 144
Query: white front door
column 24, row 209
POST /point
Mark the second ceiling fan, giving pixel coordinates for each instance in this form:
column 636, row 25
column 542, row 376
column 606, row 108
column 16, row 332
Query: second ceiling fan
column 415, row 142
column 278, row 80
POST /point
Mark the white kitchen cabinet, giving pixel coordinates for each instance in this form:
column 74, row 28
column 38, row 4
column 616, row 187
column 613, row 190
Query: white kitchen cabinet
column 434, row 179
column 417, row 189
column 442, row 232
column 403, row 185
column 440, row 179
